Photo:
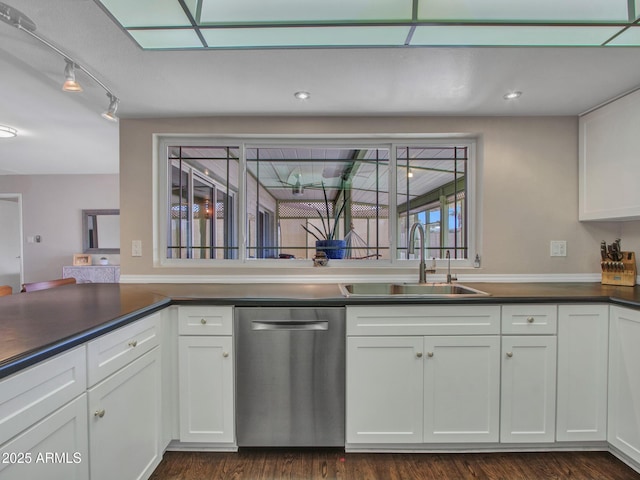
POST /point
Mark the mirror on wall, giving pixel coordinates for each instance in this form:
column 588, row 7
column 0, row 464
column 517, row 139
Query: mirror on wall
column 101, row 231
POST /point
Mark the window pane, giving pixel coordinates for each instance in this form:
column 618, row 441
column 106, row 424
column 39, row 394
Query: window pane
column 204, row 182
column 429, row 178
column 299, row 195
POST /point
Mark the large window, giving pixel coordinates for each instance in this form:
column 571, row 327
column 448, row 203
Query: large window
column 249, row 201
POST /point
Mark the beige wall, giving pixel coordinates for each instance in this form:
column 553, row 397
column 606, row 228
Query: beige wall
column 52, row 208
column 527, row 184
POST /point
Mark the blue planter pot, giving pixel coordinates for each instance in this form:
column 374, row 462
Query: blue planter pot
column 335, row 249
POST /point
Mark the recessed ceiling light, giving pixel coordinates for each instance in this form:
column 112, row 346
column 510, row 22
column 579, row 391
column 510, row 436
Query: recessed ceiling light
column 7, row 132
column 302, row 95
column 512, row 95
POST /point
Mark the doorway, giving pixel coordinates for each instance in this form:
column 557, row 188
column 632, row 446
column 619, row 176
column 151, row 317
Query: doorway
column 11, row 252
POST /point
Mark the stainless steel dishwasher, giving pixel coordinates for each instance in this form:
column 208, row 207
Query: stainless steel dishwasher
column 290, row 376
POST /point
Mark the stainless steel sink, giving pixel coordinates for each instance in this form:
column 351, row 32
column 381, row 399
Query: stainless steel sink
column 409, row 290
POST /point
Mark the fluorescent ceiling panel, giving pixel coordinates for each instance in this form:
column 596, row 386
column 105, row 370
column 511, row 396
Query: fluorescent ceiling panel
column 512, row 36
column 247, row 11
column 147, row 13
column 166, row 39
column 514, row 10
column 305, row 37
column 629, row 38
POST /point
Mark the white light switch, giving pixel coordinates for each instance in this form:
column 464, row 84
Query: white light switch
column 136, row 248
column 558, row 248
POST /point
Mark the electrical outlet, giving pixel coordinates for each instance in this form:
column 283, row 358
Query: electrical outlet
column 136, row 248
column 558, row 248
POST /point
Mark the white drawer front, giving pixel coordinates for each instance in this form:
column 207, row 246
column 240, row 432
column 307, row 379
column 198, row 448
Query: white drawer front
column 423, row 320
column 530, row 319
column 205, row 320
column 31, row 394
column 111, row 352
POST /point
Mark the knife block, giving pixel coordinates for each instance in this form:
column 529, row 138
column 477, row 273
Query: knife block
column 620, row 273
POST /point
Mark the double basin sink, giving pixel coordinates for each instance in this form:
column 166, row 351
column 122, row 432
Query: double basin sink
column 443, row 290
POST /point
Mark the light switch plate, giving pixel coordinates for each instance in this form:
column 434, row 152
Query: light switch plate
column 558, row 248
column 136, row 248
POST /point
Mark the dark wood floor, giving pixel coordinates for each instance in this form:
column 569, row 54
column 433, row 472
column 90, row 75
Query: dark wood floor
column 313, row 464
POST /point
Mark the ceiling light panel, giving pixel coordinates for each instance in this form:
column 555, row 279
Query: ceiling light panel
column 167, row 38
column 571, row 11
column 460, row 35
column 305, row 37
column 629, row 38
column 147, row 13
column 247, row 11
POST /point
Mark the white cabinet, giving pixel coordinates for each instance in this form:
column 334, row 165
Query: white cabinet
column 54, row 448
column 124, row 425
column 205, row 371
column 528, row 389
column 624, row 381
column 206, row 389
column 461, row 389
column 528, row 386
column 416, row 388
column 43, row 420
column 384, row 390
column 583, row 350
column 608, row 165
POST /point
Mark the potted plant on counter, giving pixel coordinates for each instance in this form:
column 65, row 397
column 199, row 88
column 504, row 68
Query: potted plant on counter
column 326, row 240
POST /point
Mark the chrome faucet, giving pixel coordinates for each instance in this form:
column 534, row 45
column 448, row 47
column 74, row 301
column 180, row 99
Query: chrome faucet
column 449, row 277
column 422, row 272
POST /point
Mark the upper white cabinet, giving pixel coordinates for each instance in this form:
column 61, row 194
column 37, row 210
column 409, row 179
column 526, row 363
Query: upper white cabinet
column 608, row 161
column 624, row 381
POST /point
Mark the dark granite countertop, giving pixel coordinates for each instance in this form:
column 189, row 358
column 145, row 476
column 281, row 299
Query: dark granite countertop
column 37, row 325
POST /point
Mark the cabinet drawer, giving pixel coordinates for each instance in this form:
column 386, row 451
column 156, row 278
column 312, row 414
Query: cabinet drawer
column 529, row 319
column 205, row 320
column 111, row 352
column 423, row 320
column 30, row 395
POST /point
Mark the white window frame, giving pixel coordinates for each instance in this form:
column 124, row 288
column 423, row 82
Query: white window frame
column 391, row 141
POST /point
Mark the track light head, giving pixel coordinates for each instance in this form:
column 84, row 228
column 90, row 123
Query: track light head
column 70, row 84
column 110, row 113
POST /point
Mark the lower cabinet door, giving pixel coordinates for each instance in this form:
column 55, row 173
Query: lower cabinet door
column 462, row 389
column 206, row 389
column 124, row 421
column 384, row 390
column 54, row 448
column 583, row 349
column 528, row 389
column 624, row 382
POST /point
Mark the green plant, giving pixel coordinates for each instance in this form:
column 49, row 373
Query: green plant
column 329, row 224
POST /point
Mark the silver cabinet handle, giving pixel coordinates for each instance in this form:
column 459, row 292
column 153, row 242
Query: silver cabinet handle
column 203, row 321
column 99, row 413
column 429, row 354
column 509, row 354
column 419, row 354
column 133, row 343
column 530, row 319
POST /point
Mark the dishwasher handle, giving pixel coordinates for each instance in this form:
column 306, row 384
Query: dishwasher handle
column 300, row 325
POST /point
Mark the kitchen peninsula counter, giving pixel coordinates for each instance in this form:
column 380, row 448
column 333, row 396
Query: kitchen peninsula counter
column 38, row 325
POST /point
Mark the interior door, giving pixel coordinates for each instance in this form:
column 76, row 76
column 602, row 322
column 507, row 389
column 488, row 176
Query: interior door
column 11, row 241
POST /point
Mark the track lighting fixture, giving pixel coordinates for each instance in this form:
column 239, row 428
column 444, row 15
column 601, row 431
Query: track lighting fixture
column 110, row 113
column 70, row 84
column 19, row 20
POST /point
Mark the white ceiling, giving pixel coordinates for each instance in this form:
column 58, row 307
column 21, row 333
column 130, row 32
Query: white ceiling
column 64, row 133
